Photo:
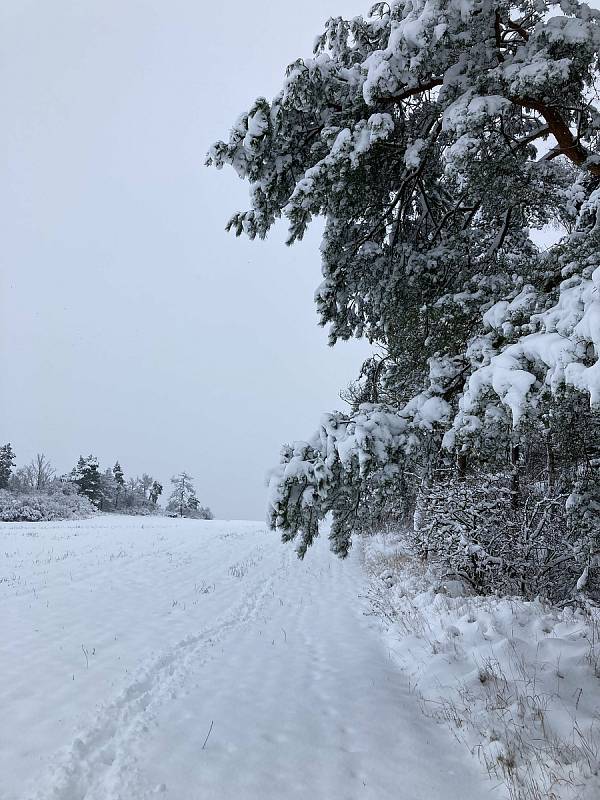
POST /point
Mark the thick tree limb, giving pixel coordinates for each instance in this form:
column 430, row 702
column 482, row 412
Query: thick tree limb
column 568, row 144
column 515, row 26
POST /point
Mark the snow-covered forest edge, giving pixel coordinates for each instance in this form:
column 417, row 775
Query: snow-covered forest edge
column 437, row 138
column 434, row 137
column 34, row 492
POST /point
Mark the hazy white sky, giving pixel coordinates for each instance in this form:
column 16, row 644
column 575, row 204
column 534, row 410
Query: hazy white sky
column 133, row 326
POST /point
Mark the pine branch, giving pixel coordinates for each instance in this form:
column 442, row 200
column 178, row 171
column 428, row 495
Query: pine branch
column 569, row 145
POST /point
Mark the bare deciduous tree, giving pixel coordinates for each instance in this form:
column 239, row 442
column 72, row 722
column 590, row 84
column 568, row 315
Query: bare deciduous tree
column 41, row 471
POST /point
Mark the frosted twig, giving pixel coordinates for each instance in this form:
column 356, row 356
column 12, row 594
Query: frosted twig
column 208, row 734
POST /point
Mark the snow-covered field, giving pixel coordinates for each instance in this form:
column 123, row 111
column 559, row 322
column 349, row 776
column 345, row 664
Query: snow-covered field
column 125, row 639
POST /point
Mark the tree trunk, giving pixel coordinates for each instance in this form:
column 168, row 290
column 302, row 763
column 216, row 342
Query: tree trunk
column 515, row 483
column 550, row 461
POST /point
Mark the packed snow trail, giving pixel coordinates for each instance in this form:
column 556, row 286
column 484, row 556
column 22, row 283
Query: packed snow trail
column 202, row 660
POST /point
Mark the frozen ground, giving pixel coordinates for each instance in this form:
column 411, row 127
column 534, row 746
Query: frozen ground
column 124, row 640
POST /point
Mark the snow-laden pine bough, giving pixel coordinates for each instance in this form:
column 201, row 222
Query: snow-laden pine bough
column 433, row 136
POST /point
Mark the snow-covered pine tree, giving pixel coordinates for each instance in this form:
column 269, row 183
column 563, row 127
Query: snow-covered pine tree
column 86, row 475
column 432, row 136
column 108, row 490
column 119, row 479
column 183, row 500
column 7, row 462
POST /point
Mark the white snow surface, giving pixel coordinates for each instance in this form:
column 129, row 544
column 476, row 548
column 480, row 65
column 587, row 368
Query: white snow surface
column 125, row 639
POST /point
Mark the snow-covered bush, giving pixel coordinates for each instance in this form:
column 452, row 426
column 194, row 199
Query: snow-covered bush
column 203, row 512
column 140, row 510
column 473, row 531
column 516, row 681
column 38, row 506
column 433, row 136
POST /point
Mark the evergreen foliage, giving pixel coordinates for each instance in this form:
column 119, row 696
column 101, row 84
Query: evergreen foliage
column 87, row 477
column 7, row 462
column 183, row 497
column 183, row 501
column 433, row 136
column 119, row 481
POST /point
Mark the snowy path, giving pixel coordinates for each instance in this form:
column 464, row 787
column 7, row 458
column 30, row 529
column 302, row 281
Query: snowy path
column 124, row 639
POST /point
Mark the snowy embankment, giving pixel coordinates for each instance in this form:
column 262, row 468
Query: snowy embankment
column 518, row 682
column 187, row 659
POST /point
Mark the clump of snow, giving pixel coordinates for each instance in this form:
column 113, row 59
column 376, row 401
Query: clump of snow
column 496, row 315
column 412, row 154
column 557, row 349
column 471, row 110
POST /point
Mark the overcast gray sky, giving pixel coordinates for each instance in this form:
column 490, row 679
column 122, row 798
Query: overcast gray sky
column 132, row 325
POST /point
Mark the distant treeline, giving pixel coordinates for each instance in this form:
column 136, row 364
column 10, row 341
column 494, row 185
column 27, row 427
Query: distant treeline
column 35, row 491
